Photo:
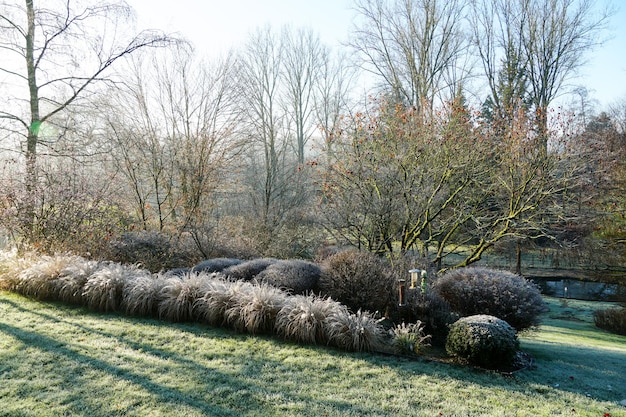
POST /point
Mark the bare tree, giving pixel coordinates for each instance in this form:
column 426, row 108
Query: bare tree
column 261, row 94
column 302, row 63
column 332, row 96
column 175, row 132
column 52, row 56
column 452, row 185
column 543, row 41
column 411, row 46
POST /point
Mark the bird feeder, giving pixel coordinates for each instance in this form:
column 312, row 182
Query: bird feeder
column 402, row 292
column 418, row 275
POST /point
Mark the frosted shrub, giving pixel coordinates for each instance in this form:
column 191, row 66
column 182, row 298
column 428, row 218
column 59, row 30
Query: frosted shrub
column 498, row 293
column 483, row 340
column 248, row 270
column 360, row 280
column 295, row 276
column 215, row 265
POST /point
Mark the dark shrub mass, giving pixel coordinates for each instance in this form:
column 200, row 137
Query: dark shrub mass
column 248, row 270
column 154, row 251
column 360, row 280
column 612, row 320
column 483, row 340
column 295, row 276
column 433, row 312
column 215, row 265
column 498, row 293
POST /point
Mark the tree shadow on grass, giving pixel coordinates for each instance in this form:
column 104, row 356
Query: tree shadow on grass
column 595, row 372
column 259, row 375
column 60, row 350
column 210, row 387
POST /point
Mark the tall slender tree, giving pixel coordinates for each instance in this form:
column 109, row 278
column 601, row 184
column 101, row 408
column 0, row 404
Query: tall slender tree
column 410, row 46
column 540, row 43
column 53, row 55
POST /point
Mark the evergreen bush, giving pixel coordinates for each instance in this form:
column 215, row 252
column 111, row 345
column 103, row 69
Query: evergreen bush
column 433, row 312
column 215, row 265
column 483, row 340
column 248, row 270
column 295, row 276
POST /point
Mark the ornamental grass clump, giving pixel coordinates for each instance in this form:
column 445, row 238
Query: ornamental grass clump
column 295, row 276
column 255, row 310
column 72, row 279
column 483, row 340
column 40, row 280
column 10, row 267
column 141, row 295
column 360, row 332
column 178, row 296
column 305, row 318
column 478, row 290
column 104, row 288
column 410, row 338
column 220, row 296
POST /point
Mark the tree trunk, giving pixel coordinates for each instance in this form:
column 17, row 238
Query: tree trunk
column 35, row 124
column 518, row 258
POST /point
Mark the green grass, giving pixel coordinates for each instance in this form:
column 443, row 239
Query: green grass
column 57, row 360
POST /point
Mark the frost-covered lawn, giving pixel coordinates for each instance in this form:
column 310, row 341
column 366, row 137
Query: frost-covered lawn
column 57, row 360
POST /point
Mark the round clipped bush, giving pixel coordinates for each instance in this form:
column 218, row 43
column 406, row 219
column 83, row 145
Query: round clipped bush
column 215, row 265
column 478, row 290
column 248, row 270
column 360, row 280
column 483, row 340
column 294, row 275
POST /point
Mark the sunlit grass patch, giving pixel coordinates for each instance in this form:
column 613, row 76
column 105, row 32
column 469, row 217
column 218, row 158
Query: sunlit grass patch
column 59, row 360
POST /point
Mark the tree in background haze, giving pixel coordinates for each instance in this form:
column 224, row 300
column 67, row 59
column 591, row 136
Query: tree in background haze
column 51, row 57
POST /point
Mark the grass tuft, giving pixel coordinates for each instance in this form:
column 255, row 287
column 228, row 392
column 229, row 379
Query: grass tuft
column 220, row 295
column 178, row 296
column 104, row 288
column 39, row 280
column 72, row 279
column 141, row 295
column 304, row 318
column 255, row 310
column 359, row 332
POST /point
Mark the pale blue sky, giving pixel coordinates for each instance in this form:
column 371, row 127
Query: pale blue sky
column 215, row 25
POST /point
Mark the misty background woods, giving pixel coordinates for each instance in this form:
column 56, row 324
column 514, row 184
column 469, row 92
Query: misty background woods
column 433, row 132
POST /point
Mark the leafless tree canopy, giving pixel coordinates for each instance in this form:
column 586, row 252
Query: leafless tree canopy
column 429, row 132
